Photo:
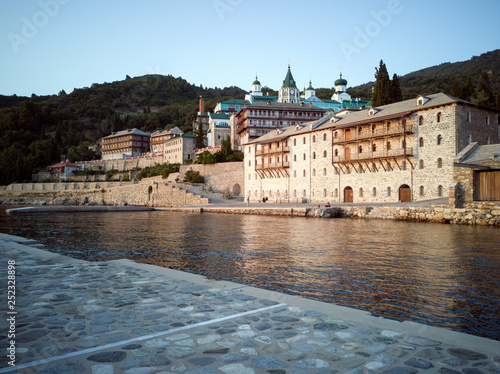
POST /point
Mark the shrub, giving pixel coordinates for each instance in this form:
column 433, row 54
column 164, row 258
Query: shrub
column 192, row 176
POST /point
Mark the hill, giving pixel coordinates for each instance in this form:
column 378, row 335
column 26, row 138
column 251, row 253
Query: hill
column 440, row 78
column 36, row 131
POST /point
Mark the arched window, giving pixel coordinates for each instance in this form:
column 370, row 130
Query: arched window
column 440, row 190
column 421, row 190
column 421, row 164
column 439, row 140
column 438, row 117
column 440, row 163
column 420, row 121
column 421, row 142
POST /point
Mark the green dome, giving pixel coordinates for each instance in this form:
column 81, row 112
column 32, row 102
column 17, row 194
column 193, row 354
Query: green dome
column 340, row 82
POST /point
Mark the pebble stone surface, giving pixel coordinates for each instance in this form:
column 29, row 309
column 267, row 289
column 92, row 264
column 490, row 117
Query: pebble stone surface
column 105, row 318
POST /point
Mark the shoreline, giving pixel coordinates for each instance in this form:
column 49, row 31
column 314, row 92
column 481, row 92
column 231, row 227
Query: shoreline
column 360, row 340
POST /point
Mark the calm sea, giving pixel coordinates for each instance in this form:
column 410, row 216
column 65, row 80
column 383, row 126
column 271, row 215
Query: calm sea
column 441, row 275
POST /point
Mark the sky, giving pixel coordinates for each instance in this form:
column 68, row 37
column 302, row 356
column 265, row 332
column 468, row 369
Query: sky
column 51, row 45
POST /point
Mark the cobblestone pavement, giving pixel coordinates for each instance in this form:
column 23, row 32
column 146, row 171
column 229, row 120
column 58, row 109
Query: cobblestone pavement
column 120, row 317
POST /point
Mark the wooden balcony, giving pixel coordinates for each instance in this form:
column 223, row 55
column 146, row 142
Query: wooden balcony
column 368, row 156
column 268, row 151
column 273, row 165
column 369, row 134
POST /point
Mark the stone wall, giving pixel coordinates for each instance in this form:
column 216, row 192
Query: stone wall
column 154, row 192
column 220, row 176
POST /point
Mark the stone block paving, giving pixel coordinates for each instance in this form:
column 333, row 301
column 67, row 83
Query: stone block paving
column 105, row 318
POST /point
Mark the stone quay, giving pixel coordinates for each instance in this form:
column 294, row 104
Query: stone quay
column 74, row 316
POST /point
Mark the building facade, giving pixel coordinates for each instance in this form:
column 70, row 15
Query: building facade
column 179, row 149
column 218, row 129
column 398, row 152
column 160, row 136
column 124, row 144
column 256, row 120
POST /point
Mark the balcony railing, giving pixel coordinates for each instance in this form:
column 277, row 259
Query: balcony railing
column 369, row 134
column 273, row 165
column 266, row 151
column 387, row 153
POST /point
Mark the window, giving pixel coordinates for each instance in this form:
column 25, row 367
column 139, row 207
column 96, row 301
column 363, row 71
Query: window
column 420, row 121
column 421, row 142
column 438, row 117
column 421, row 190
column 440, row 163
column 439, row 140
column 440, row 190
column 421, row 164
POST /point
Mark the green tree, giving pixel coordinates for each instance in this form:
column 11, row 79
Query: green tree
column 200, row 135
column 396, row 94
column 382, row 93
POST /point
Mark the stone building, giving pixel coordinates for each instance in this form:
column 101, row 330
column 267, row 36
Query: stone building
column 476, row 175
column 179, row 149
column 160, row 136
column 397, row 152
column 124, row 144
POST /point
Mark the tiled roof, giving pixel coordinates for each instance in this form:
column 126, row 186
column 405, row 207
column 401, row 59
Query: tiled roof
column 127, row 132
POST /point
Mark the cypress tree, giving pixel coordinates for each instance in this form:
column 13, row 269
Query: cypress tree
column 382, row 93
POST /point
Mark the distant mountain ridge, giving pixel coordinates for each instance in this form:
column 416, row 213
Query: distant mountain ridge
column 439, row 78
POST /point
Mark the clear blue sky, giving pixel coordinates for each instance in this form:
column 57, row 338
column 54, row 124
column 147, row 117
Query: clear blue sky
column 50, row 45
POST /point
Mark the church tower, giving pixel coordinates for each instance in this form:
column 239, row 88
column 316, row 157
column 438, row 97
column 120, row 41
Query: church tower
column 289, row 93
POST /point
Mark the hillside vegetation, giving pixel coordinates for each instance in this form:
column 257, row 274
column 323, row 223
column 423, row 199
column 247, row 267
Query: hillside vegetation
column 440, row 78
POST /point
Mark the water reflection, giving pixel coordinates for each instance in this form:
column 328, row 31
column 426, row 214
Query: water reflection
column 443, row 275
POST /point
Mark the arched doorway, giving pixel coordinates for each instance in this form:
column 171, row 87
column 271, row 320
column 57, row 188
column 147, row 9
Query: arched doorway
column 404, row 193
column 236, row 190
column 348, row 195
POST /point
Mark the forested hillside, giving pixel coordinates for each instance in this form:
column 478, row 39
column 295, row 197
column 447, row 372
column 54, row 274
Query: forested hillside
column 441, row 78
column 36, row 131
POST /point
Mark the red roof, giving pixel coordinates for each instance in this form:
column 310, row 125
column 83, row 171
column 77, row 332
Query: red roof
column 65, row 163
